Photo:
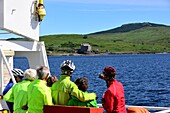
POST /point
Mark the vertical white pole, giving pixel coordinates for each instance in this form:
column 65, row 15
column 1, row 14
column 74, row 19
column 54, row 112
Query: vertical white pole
column 7, row 65
column 44, row 55
column 1, row 74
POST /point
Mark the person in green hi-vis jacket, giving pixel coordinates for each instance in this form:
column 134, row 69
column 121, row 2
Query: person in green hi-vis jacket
column 82, row 84
column 64, row 88
column 39, row 94
column 18, row 93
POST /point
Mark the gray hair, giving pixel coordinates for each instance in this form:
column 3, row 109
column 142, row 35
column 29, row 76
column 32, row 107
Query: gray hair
column 42, row 72
column 30, row 74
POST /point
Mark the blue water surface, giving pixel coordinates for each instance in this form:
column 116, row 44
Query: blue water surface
column 145, row 77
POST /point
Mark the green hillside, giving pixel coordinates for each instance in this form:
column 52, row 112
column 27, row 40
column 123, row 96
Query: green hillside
column 130, row 27
column 129, row 38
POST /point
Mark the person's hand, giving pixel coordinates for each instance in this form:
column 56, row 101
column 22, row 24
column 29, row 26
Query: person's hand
column 24, row 107
column 102, row 76
column 94, row 94
column 96, row 97
column 103, row 101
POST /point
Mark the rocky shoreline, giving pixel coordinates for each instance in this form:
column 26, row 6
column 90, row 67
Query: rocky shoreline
column 100, row 54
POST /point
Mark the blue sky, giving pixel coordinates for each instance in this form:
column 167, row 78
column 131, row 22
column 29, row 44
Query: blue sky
column 88, row 16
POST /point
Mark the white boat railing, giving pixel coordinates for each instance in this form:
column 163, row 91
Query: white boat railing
column 164, row 111
column 149, row 108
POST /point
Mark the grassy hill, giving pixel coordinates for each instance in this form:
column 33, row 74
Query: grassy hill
column 130, row 27
column 129, row 38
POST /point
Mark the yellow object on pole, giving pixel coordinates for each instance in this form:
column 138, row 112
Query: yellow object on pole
column 41, row 10
column 41, row 2
column 1, row 97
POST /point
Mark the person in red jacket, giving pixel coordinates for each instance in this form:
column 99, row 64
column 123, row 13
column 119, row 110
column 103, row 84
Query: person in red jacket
column 113, row 99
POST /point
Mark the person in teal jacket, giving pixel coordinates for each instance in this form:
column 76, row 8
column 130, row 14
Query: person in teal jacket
column 39, row 94
column 18, row 93
column 64, row 88
column 82, row 84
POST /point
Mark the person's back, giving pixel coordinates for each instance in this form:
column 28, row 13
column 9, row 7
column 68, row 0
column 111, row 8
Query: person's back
column 18, row 93
column 61, row 90
column 18, row 75
column 116, row 91
column 113, row 100
column 82, row 84
column 39, row 94
column 64, row 88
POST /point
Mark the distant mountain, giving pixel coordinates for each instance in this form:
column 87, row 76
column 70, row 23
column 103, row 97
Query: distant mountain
column 130, row 27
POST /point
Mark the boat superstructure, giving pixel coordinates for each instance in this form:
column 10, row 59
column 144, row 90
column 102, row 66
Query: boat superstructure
column 20, row 18
column 23, row 18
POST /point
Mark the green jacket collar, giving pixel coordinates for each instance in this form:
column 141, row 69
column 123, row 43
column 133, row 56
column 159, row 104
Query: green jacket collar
column 64, row 77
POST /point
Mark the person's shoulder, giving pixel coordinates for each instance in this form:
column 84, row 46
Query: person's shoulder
column 24, row 83
column 44, row 89
column 31, row 83
column 10, row 84
column 54, row 85
column 47, row 88
column 118, row 82
column 86, row 92
column 16, row 85
column 72, row 83
column 8, row 87
column 68, row 82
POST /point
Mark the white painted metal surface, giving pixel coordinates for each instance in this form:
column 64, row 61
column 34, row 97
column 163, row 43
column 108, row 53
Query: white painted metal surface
column 34, row 51
column 18, row 17
column 20, row 45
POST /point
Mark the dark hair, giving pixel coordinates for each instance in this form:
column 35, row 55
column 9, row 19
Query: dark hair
column 82, row 83
column 51, row 79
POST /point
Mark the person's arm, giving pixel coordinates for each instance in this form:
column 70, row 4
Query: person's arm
column 48, row 97
column 81, row 95
column 108, row 101
column 7, row 88
column 9, row 96
column 93, row 104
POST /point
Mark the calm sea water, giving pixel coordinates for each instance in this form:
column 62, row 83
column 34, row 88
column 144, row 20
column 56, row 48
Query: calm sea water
column 145, row 77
